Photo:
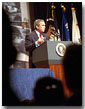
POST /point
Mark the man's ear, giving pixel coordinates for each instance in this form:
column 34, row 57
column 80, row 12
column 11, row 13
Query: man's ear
column 37, row 26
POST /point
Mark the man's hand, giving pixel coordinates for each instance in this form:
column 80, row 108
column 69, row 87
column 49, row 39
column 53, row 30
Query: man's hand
column 40, row 40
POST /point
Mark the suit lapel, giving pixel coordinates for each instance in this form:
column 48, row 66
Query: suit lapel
column 35, row 36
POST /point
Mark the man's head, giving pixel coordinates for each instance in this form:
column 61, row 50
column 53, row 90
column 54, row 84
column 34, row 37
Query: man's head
column 39, row 25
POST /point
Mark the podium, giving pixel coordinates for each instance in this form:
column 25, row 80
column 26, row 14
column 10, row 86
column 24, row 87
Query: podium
column 46, row 56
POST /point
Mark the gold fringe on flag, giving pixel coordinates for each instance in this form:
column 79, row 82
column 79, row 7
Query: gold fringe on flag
column 62, row 6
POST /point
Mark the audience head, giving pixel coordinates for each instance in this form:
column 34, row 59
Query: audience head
column 72, row 62
column 39, row 25
column 48, row 91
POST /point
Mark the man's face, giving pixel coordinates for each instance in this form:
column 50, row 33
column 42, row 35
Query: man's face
column 41, row 27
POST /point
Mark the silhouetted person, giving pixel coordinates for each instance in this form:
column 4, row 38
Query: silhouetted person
column 72, row 62
column 48, row 92
column 8, row 58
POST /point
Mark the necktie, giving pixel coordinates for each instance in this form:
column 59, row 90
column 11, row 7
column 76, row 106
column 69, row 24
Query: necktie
column 41, row 37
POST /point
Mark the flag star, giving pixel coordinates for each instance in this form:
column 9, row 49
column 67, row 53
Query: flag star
column 66, row 25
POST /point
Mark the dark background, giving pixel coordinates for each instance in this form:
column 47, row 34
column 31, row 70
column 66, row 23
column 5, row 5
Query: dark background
column 43, row 10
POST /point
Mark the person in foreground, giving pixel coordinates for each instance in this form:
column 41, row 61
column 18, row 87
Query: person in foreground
column 72, row 62
column 8, row 57
column 48, row 92
column 36, row 38
column 9, row 52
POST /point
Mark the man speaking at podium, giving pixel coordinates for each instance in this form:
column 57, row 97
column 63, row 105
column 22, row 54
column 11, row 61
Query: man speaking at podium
column 37, row 37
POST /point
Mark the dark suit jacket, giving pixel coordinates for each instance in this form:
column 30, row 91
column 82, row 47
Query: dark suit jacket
column 30, row 44
column 30, row 41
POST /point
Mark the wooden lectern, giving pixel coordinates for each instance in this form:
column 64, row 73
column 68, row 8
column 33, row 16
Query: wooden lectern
column 47, row 56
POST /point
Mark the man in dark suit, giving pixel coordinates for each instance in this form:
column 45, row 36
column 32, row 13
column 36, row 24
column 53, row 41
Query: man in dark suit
column 36, row 38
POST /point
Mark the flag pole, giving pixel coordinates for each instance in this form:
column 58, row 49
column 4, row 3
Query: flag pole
column 53, row 7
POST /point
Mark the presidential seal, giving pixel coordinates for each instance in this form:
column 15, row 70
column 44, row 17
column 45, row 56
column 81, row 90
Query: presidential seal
column 60, row 49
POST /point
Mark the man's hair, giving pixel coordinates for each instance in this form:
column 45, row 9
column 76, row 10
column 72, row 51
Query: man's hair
column 37, row 22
